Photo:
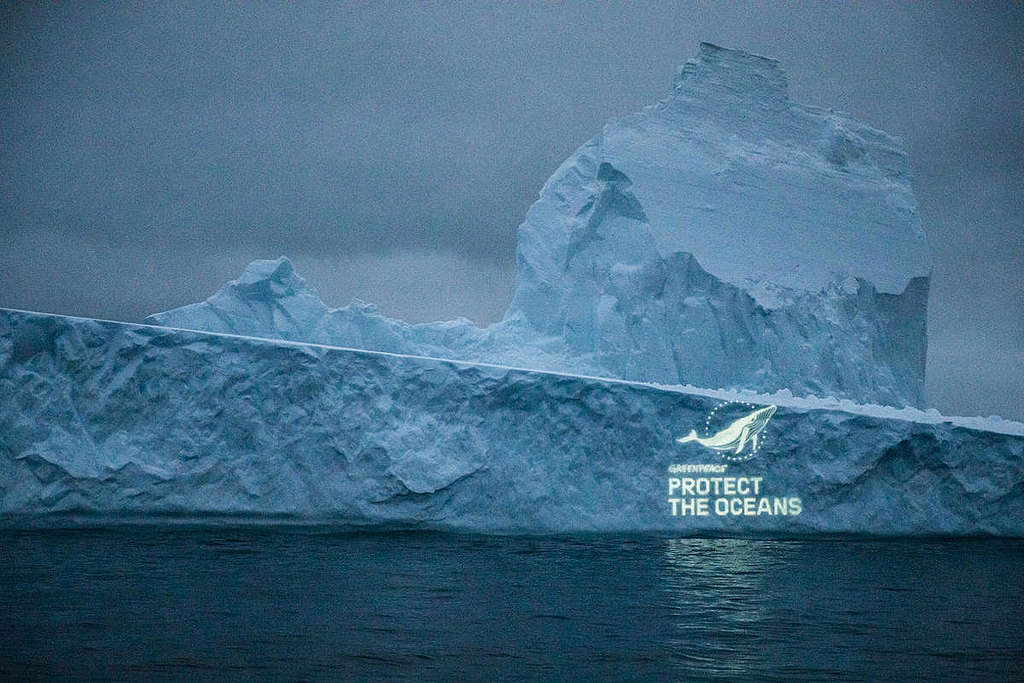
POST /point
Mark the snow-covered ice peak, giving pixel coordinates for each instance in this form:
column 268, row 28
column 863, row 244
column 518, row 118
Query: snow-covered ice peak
column 271, row 278
column 718, row 70
column 269, row 295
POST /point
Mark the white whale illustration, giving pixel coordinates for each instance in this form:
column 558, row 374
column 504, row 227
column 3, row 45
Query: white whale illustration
column 736, row 436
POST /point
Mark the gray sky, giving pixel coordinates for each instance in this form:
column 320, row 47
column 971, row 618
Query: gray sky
column 149, row 151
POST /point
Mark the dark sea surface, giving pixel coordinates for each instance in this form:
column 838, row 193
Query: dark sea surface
column 256, row 603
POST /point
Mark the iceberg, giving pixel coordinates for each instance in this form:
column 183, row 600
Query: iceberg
column 103, row 420
column 718, row 326
column 722, row 237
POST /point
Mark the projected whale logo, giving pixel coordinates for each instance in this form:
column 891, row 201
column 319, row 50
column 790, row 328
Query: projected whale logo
column 742, row 435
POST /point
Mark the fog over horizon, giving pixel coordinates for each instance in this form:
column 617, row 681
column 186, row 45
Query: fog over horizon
column 149, row 152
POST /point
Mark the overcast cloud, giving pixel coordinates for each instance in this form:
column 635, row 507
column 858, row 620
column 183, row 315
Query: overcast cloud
column 149, row 151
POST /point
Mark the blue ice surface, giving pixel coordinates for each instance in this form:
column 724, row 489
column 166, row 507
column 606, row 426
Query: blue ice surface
column 103, row 419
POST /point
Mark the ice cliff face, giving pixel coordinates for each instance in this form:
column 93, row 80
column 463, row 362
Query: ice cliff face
column 726, row 236
column 723, row 237
column 109, row 420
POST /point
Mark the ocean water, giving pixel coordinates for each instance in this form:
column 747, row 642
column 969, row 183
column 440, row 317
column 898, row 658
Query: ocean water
column 245, row 603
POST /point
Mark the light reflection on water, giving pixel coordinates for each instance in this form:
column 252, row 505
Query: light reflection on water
column 243, row 603
column 718, row 601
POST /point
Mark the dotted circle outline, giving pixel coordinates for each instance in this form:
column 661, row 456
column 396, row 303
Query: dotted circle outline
column 707, row 430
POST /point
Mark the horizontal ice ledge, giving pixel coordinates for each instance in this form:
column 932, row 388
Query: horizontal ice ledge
column 113, row 420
